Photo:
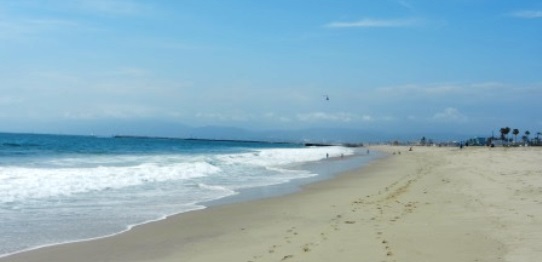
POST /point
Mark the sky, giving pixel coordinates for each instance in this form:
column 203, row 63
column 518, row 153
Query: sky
column 103, row 66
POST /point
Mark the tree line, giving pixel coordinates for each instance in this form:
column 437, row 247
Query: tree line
column 525, row 138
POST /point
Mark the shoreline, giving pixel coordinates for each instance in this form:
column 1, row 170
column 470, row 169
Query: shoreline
column 432, row 204
column 243, row 195
column 325, row 169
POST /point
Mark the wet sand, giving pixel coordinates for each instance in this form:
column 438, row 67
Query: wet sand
column 431, row 204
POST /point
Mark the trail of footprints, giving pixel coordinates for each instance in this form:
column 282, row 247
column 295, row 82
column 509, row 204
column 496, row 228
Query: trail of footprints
column 289, row 239
column 382, row 207
column 385, row 244
column 386, row 207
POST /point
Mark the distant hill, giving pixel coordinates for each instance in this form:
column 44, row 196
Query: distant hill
column 313, row 135
column 308, row 135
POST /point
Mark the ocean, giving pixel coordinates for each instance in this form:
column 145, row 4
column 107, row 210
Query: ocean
column 58, row 189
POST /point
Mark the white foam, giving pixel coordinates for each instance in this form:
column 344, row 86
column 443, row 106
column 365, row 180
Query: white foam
column 20, row 183
column 68, row 176
column 222, row 189
column 286, row 156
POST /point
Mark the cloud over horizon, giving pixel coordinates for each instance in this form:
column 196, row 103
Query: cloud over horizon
column 527, row 14
column 450, row 114
column 375, row 23
column 386, row 65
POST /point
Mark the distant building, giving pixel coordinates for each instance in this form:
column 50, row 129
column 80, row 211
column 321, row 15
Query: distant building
column 477, row 141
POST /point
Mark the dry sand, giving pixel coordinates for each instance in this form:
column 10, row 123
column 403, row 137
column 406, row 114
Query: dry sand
column 431, row 204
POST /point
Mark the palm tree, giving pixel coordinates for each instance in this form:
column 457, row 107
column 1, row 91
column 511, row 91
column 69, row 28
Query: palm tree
column 504, row 133
column 515, row 132
column 527, row 133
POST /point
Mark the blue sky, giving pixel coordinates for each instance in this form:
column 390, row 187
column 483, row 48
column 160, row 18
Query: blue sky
column 76, row 66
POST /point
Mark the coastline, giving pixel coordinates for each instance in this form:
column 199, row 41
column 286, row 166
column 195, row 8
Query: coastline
column 431, row 204
column 323, row 170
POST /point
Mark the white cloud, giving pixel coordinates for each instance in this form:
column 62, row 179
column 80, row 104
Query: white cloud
column 16, row 28
column 439, row 90
column 10, row 100
column 367, row 118
column 13, row 26
column 116, row 111
column 272, row 116
column 406, row 4
column 321, row 116
column 432, row 89
column 388, row 118
column 131, row 72
column 450, row 114
column 528, row 14
column 30, row 23
column 57, row 77
column 369, row 22
column 223, row 117
column 112, row 7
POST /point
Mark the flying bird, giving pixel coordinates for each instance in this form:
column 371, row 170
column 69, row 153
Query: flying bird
column 326, row 97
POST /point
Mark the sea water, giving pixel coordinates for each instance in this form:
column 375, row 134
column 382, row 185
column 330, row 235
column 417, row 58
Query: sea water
column 57, row 189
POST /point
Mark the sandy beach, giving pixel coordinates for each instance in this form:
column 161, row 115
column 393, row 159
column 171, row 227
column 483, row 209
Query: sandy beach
column 429, row 204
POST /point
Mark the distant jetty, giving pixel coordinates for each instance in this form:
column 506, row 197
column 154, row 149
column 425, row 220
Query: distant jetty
column 237, row 141
column 340, row 144
column 199, row 139
column 318, row 144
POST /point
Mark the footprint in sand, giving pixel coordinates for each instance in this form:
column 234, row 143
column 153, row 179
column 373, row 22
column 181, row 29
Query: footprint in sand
column 385, row 243
column 287, row 257
column 307, row 247
column 292, row 231
column 272, row 249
